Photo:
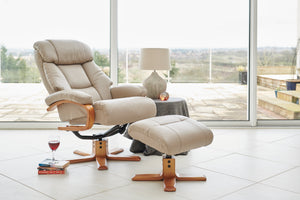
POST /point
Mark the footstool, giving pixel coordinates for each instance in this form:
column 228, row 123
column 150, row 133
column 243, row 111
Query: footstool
column 170, row 134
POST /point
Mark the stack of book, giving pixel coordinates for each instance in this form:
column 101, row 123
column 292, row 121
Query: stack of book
column 49, row 167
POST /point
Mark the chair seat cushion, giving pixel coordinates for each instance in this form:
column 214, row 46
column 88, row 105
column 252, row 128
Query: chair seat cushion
column 171, row 134
column 123, row 110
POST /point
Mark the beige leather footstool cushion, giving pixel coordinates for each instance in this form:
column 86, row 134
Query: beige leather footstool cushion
column 171, row 134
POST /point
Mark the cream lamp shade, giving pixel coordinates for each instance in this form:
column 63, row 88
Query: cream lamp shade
column 155, row 59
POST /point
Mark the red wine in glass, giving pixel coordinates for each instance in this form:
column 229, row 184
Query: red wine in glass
column 53, row 144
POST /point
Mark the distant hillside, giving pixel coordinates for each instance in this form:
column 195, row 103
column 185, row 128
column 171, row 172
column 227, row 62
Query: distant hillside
column 192, row 65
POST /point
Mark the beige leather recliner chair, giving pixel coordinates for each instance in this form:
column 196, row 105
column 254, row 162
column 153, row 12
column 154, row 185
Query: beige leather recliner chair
column 83, row 95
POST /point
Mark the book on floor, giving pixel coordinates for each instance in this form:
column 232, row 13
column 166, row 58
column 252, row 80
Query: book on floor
column 47, row 166
column 57, row 163
column 40, row 172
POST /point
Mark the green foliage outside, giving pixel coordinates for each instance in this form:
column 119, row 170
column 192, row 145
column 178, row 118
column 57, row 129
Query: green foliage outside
column 16, row 70
column 187, row 65
column 102, row 61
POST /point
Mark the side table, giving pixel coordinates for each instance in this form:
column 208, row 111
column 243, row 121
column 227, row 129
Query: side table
column 173, row 106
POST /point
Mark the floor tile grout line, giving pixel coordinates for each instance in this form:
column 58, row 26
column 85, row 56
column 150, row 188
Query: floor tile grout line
column 106, row 190
column 225, row 174
column 245, row 178
column 254, row 185
column 233, row 153
column 285, row 145
column 236, row 191
column 260, row 158
column 278, row 174
column 31, row 188
column 280, row 188
column 251, row 156
column 229, row 154
column 194, row 164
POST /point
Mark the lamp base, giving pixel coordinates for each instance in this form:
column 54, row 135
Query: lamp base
column 155, row 85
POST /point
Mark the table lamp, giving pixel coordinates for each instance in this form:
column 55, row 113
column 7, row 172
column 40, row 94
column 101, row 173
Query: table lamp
column 155, row 59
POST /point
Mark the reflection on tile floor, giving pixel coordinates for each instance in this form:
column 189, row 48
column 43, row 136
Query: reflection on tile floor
column 247, row 164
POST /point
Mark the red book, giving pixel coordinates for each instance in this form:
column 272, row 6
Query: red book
column 41, row 172
column 49, row 168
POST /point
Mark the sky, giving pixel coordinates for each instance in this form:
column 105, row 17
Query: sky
column 148, row 23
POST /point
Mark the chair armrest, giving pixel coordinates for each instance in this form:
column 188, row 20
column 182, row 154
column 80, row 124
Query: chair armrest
column 73, row 97
column 127, row 91
column 69, row 95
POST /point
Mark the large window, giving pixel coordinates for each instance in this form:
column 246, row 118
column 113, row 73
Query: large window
column 23, row 23
column 277, row 58
column 208, row 42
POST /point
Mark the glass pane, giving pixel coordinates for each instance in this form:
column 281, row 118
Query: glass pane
column 25, row 22
column 208, row 42
column 277, row 59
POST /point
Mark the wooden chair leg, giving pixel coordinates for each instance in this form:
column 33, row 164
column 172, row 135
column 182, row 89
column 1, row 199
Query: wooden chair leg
column 116, row 151
column 87, row 157
column 81, row 153
column 113, row 152
column 124, row 158
column 168, row 176
column 101, row 163
column 101, row 155
column 81, row 160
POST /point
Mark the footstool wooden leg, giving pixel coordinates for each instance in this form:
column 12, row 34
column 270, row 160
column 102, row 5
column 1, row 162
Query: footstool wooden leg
column 148, row 177
column 168, row 175
column 180, row 178
column 169, row 184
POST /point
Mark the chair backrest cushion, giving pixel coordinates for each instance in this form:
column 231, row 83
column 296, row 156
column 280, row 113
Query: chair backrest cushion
column 64, row 52
column 68, row 64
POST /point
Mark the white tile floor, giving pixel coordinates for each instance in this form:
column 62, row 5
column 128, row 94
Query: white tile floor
column 241, row 164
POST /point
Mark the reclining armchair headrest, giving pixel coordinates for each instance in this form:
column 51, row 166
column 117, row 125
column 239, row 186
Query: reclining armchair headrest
column 63, row 52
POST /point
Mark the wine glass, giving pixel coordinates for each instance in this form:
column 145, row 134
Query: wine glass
column 53, row 141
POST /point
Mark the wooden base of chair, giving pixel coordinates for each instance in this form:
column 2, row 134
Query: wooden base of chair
column 101, row 155
column 168, row 175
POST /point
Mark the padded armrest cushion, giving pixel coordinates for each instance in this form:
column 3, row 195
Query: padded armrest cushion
column 70, row 95
column 124, row 110
column 127, row 91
